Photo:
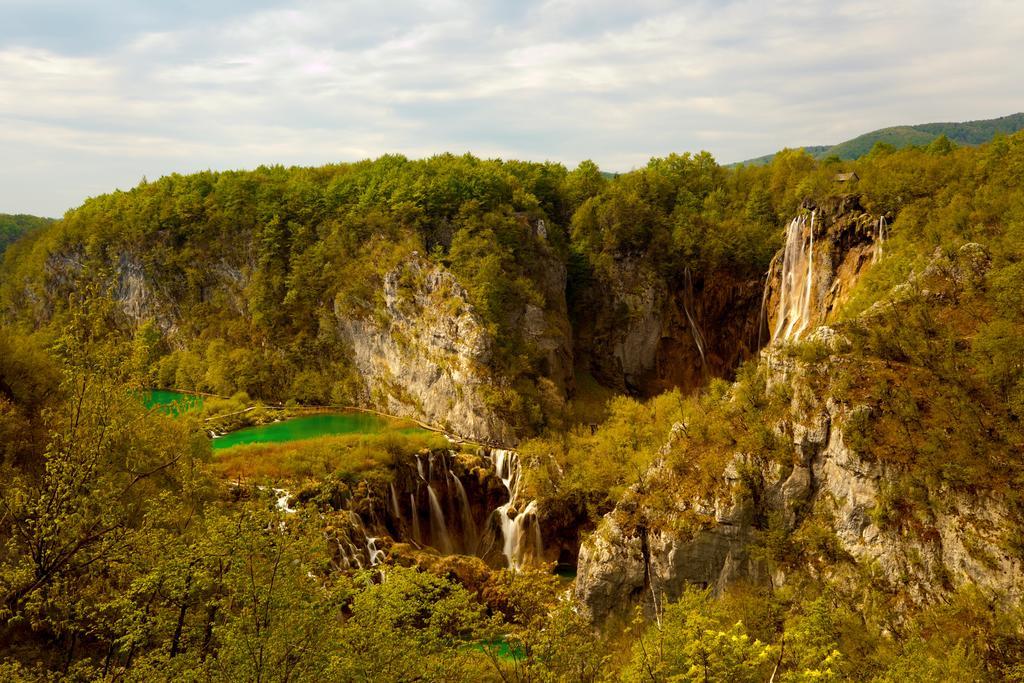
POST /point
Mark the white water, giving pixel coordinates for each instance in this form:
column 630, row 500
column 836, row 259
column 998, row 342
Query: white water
column 520, row 532
column 879, row 240
column 376, row 555
column 468, row 525
column 438, row 528
column 698, row 338
column 281, row 497
column 417, row 536
column 797, row 281
column 394, row 503
column 797, row 305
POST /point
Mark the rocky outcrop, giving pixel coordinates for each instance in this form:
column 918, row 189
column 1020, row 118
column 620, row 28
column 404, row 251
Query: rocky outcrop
column 960, row 542
column 546, row 331
column 134, row 292
column 825, row 486
column 425, row 353
column 620, row 567
column 639, row 332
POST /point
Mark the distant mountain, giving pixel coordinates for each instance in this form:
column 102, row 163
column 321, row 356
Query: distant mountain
column 13, row 226
column 963, row 133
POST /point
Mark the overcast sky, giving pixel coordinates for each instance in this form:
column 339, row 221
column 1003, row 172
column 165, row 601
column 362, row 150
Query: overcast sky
column 94, row 95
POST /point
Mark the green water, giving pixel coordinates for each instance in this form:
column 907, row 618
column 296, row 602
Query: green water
column 307, row 427
column 503, row 647
column 172, row 402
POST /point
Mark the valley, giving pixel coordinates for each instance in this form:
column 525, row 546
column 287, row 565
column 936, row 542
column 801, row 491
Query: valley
column 770, row 412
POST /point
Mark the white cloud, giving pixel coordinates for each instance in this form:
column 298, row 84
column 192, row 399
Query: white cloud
column 322, row 81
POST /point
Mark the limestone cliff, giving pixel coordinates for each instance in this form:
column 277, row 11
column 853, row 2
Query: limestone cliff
column 637, row 557
column 426, row 353
column 423, row 353
column 826, row 485
column 640, row 332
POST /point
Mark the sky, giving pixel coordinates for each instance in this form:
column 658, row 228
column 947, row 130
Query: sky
column 96, row 95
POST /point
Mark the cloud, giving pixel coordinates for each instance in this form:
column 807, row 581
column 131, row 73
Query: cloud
column 93, row 99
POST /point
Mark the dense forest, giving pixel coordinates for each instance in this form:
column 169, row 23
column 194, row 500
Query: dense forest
column 13, row 226
column 919, row 135
column 132, row 549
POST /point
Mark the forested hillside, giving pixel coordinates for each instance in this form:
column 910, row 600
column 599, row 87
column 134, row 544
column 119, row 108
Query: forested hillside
column 920, row 135
column 241, row 281
column 13, row 226
column 716, row 424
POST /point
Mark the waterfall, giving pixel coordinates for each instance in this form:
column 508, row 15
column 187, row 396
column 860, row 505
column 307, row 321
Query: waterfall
column 517, row 544
column 762, row 319
column 416, row 535
column 797, row 306
column 282, row 501
column 354, row 554
column 394, row 503
column 797, row 281
column 376, row 556
column 468, row 525
column 698, row 338
column 879, row 240
column 806, row 312
column 438, row 528
column 449, row 509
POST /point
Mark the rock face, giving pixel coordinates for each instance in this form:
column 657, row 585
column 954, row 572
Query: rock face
column 961, row 543
column 426, row 353
column 642, row 333
column 547, row 331
column 959, row 539
column 619, row 568
column 138, row 300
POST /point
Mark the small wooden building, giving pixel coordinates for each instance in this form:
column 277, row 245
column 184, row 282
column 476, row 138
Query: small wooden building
column 846, row 177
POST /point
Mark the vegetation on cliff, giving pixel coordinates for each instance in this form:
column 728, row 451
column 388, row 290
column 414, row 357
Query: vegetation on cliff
column 14, row 226
column 234, row 281
column 125, row 554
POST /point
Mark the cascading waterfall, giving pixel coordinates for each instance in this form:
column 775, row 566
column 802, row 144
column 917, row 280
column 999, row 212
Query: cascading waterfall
column 879, row 240
column 376, row 555
column 416, row 535
column 798, row 299
column 350, row 555
column 438, row 528
column 468, row 525
column 521, row 536
column 281, row 498
column 445, row 502
column 797, row 282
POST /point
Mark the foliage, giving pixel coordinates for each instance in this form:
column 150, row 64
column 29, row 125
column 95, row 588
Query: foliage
column 348, row 456
column 123, row 556
column 920, row 135
column 13, row 227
